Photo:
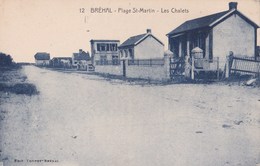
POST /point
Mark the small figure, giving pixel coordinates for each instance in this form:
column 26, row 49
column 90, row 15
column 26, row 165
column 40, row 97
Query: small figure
column 187, row 66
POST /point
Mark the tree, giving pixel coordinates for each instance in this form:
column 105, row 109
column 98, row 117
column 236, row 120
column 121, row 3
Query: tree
column 5, row 60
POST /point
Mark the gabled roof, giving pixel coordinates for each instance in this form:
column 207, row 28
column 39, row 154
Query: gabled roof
column 134, row 40
column 208, row 21
column 42, row 56
column 81, row 56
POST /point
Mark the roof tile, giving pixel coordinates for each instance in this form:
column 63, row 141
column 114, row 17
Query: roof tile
column 132, row 40
column 197, row 23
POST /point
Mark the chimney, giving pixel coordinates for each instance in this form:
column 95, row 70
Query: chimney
column 232, row 5
column 80, row 51
column 148, row 31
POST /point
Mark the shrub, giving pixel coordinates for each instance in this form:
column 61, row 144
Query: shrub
column 5, row 60
column 24, row 88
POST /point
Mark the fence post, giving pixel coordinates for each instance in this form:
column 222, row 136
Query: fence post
column 235, row 64
column 258, row 71
column 218, row 67
column 192, row 67
column 167, row 63
column 227, row 67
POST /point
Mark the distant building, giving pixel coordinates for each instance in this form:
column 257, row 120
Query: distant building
column 144, row 46
column 216, row 35
column 42, row 59
column 104, row 51
column 61, row 62
column 81, row 60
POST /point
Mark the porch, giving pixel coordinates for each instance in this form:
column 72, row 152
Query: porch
column 183, row 43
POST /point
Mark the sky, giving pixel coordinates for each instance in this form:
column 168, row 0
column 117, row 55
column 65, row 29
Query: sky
column 61, row 27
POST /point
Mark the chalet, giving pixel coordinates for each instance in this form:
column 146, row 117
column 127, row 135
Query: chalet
column 144, row 46
column 80, row 57
column 217, row 35
column 42, row 59
column 61, row 62
column 103, row 51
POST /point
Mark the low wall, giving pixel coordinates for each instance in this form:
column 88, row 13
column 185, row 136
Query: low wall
column 148, row 72
column 159, row 72
column 109, row 69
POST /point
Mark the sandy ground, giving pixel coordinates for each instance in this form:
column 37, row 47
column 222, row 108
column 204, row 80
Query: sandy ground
column 80, row 120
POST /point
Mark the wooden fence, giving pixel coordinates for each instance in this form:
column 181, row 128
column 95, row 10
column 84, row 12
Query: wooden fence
column 205, row 66
column 177, row 67
column 245, row 65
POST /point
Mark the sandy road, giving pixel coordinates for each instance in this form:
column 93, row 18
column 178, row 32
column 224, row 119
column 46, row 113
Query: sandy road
column 80, row 119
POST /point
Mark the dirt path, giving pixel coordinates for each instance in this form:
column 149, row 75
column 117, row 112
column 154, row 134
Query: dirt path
column 82, row 120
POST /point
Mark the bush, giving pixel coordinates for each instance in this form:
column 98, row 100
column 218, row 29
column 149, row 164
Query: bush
column 24, row 88
column 5, row 60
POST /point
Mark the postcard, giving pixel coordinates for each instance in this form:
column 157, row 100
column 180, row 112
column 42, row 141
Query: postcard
column 129, row 83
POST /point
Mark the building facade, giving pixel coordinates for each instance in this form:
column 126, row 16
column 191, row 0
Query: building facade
column 217, row 35
column 42, row 59
column 104, row 51
column 81, row 60
column 144, row 46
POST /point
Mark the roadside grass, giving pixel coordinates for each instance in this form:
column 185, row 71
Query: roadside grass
column 12, row 80
column 19, row 88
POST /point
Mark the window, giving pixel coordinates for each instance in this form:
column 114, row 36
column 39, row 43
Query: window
column 101, row 47
column 103, row 59
column 98, row 47
column 115, row 60
column 107, row 47
column 113, row 47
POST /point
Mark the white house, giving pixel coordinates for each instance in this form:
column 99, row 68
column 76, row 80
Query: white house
column 144, row 46
column 104, row 51
column 81, row 60
column 216, row 35
column 42, row 59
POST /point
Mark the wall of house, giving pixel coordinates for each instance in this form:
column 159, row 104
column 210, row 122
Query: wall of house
column 109, row 54
column 42, row 62
column 233, row 34
column 109, row 69
column 148, row 49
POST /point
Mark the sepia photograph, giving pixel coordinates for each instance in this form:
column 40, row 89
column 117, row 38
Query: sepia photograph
column 129, row 83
